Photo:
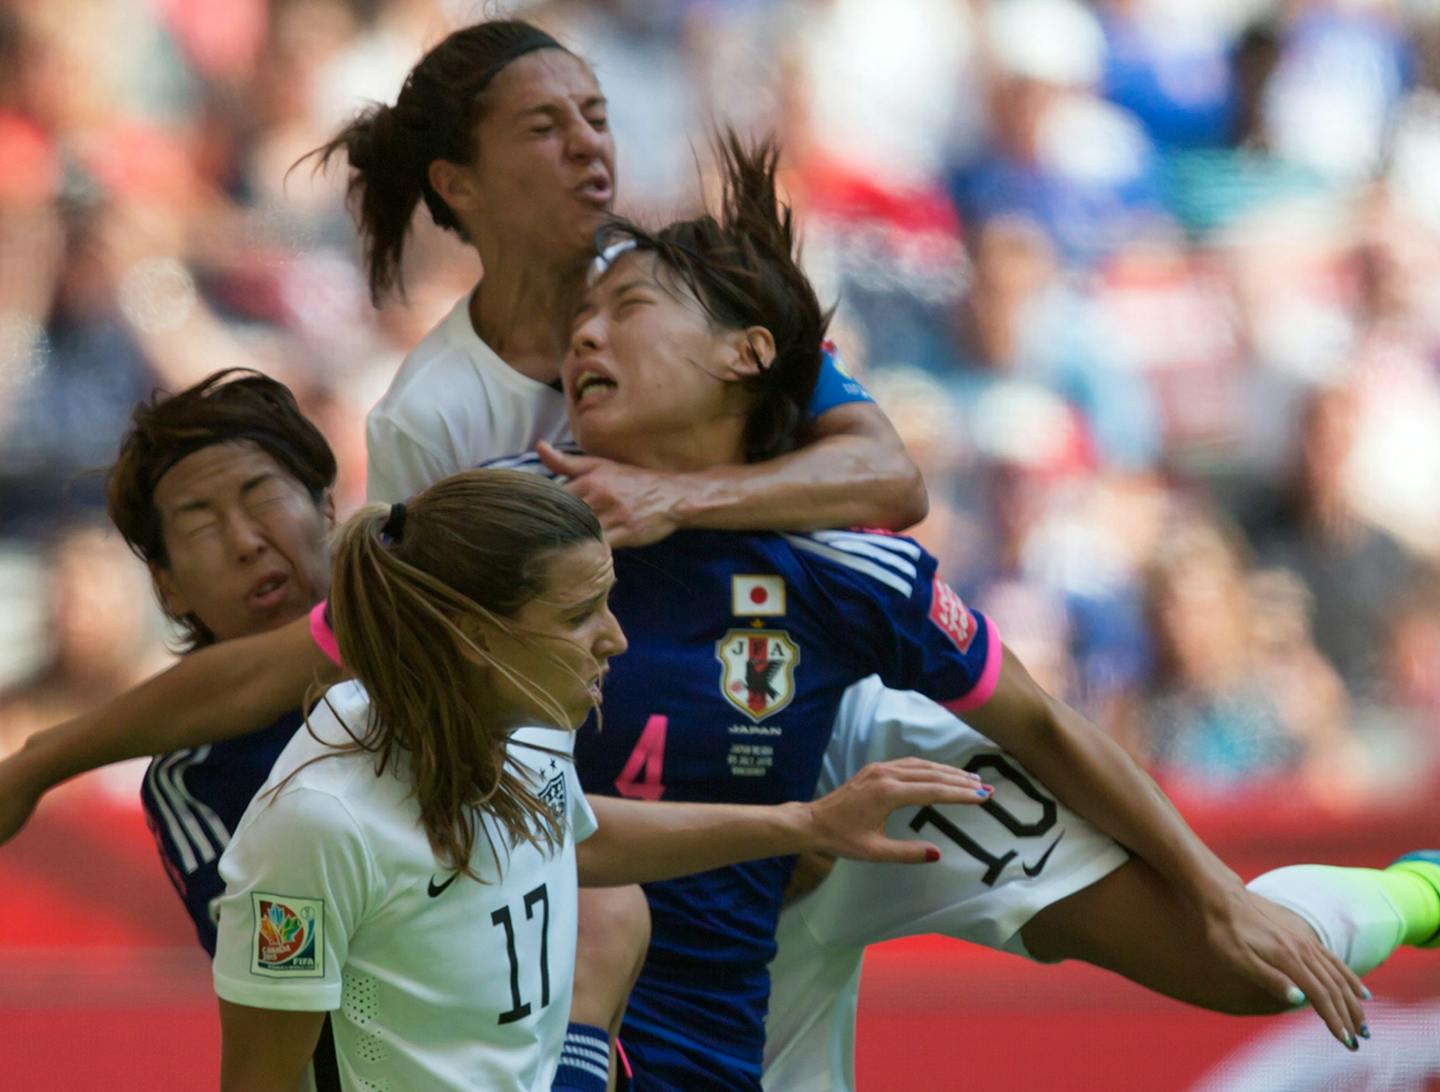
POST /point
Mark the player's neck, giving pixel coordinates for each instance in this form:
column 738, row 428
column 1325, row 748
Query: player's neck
column 521, row 311
column 685, row 451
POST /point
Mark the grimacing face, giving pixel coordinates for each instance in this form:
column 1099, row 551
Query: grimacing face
column 245, row 542
column 560, row 641
column 649, row 379
column 545, row 166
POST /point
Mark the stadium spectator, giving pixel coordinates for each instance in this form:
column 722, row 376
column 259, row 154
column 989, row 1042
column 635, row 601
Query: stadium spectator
column 1239, row 697
column 100, row 630
column 1081, row 167
column 1356, row 571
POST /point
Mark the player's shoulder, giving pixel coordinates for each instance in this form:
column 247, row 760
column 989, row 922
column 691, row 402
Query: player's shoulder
column 317, row 762
column 879, row 561
column 450, row 355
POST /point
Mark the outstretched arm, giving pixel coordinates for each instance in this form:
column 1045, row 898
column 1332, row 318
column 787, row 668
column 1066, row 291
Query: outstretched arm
column 217, row 693
column 855, row 472
column 640, row 841
column 1095, row 777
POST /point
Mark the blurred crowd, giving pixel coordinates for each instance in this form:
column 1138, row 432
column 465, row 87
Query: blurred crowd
column 1149, row 287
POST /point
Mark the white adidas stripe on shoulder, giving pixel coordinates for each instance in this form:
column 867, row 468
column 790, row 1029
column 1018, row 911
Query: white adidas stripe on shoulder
column 888, row 568
column 172, row 825
column 218, row 831
column 897, row 553
column 889, row 542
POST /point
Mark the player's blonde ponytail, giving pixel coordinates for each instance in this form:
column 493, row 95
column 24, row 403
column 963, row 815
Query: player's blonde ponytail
column 471, row 547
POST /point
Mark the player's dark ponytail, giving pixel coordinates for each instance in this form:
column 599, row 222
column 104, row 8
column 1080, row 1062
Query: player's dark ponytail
column 390, row 148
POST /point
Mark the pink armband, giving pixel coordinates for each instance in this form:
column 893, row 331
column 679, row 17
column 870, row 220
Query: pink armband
column 322, row 634
column 984, row 687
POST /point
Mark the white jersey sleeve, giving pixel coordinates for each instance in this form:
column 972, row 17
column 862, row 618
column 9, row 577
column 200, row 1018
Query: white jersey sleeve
column 398, row 463
column 452, row 405
column 582, row 817
column 298, row 878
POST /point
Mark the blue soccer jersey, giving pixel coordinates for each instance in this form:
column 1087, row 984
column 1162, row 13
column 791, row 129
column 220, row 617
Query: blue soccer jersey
column 193, row 799
column 741, row 646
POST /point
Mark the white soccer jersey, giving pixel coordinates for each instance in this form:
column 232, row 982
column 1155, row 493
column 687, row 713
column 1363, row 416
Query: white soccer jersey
column 999, row 865
column 335, row 902
column 452, row 405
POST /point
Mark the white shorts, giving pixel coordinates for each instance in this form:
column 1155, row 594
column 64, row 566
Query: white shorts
column 999, row 865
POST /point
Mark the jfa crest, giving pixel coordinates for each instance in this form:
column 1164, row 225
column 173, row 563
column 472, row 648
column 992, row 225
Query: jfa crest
column 757, row 673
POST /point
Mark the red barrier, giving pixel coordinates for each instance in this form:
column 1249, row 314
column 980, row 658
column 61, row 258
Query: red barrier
column 105, row 988
column 940, row 1015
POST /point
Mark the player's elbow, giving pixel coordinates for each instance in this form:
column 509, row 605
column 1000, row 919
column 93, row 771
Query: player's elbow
column 910, row 501
column 895, row 497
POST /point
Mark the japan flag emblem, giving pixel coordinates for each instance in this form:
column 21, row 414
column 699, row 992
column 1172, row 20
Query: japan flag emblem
column 757, row 596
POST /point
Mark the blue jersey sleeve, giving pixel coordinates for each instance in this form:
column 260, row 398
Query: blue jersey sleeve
column 914, row 630
column 835, row 386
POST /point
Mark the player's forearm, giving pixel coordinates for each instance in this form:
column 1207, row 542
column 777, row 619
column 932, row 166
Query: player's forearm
column 217, row 693
column 641, row 841
column 1098, row 780
column 840, row 481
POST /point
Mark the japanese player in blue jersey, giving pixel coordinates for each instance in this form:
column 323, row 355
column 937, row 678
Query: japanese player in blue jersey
column 748, row 641
column 743, row 646
column 224, row 491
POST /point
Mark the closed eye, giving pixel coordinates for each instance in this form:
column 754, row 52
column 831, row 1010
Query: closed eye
column 630, row 300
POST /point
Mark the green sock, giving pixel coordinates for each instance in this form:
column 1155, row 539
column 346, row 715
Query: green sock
column 1414, row 888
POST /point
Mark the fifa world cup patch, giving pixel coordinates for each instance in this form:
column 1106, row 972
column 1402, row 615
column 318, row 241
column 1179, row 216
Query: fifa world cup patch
column 757, row 670
column 952, row 616
column 288, row 936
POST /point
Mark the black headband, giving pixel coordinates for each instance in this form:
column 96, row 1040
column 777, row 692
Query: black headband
column 395, row 524
column 272, row 443
column 528, row 42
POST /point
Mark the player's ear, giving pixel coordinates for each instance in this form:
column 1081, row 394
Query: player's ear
column 752, row 351
column 327, row 508
column 479, row 636
column 454, row 184
column 176, row 605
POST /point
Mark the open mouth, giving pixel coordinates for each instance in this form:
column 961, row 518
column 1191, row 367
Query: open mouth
column 592, row 387
column 596, row 686
column 269, row 591
column 595, row 191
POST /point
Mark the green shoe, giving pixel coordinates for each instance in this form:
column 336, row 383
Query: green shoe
column 1424, row 863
